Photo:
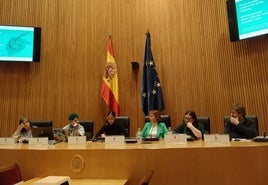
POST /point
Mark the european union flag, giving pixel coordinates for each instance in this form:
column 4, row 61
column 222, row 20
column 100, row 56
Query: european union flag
column 152, row 97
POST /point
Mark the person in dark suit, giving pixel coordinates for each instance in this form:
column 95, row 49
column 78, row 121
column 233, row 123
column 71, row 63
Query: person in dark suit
column 238, row 126
column 111, row 126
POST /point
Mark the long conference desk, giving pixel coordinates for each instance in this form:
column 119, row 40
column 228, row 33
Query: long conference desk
column 234, row 163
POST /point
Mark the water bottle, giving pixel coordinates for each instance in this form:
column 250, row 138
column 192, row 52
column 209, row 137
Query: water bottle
column 169, row 130
column 16, row 137
column 138, row 135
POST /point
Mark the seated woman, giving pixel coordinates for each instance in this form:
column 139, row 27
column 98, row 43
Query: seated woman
column 154, row 128
column 24, row 131
column 191, row 126
column 111, row 126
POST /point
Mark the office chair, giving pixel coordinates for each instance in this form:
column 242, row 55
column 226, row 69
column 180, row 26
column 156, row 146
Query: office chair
column 164, row 118
column 147, row 178
column 89, row 128
column 10, row 175
column 255, row 120
column 252, row 117
column 125, row 121
column 42, row 123
column 206, row 122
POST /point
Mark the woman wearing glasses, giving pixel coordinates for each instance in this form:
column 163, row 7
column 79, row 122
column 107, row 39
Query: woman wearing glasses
column 191, row 126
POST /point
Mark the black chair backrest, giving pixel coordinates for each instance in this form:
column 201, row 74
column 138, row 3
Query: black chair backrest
column 255, row 120
column 42, row 123
column 125, row 121
column 226, row 118
column 89, row 128
column 206, row 122
column 164, row 118
column 252, row 117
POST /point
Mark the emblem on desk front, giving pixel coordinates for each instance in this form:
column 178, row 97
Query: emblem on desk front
column 77, row 163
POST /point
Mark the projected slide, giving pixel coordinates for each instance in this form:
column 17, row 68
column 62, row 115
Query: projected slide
column 252, row 17
column 16, row 43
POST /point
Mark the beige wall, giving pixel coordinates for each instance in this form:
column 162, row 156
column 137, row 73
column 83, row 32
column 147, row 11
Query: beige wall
column 198, row 66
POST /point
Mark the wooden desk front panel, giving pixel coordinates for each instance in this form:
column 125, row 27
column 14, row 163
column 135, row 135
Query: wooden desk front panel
column 234, row 164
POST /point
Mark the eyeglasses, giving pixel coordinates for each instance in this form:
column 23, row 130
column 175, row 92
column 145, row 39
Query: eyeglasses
column 187, row 118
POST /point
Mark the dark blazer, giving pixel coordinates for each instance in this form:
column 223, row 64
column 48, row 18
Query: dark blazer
column 112, row 129
column 245, row 129
column 182, row 128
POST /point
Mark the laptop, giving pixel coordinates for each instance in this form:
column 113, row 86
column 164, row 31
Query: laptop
column 43, row 132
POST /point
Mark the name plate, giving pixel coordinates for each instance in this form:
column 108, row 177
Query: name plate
column 216, row 138
column 176, row 138
column 54, row 180
column 38, row 141
column 7, row 140
column 77, row 140
column 114, row 139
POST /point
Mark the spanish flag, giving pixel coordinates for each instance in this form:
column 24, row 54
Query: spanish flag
column 109, row 88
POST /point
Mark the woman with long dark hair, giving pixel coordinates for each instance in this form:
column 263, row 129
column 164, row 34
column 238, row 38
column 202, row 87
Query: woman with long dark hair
column 111, row 126
column 191, row 126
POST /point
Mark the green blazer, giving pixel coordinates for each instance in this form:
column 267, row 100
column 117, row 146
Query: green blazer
column 161, row 130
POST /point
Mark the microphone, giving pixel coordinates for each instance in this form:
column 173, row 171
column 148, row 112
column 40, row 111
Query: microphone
column 264, row 133
column 261, row 138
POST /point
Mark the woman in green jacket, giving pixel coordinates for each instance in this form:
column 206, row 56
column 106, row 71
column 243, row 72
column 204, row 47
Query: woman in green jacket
column 155, row 128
